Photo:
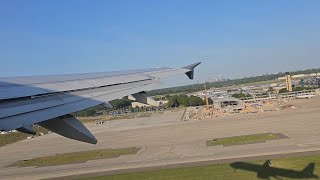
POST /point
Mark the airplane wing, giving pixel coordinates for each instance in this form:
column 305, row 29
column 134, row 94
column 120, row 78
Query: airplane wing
column 49, row 100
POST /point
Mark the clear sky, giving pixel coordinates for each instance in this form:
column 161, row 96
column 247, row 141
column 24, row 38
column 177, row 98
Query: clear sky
column 231, row 38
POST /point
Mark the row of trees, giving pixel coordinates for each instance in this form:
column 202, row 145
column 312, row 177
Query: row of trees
column 241, row 95
column 125, row 105
column 184, row 100
column 230, row 82
column 120, row 103
column 300, row 88
column 96, row 110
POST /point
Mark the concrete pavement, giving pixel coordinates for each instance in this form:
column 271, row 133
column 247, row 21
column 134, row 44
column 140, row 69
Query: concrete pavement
column 165, row 140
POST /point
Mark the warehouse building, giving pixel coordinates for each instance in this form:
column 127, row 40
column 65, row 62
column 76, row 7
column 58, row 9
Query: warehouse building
column 228, row 104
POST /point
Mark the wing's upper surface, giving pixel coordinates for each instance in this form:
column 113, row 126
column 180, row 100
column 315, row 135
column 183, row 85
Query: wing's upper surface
column 45, row 100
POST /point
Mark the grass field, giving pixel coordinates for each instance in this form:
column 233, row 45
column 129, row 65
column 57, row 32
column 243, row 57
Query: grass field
column 75, row 157
column 110, row 118
column 14, row 137
column 246, row 139
column 290, row 166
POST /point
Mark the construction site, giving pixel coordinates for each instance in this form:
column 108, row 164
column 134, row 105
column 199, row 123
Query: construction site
column 166, row 141
column 225, row 105
column 224, row 128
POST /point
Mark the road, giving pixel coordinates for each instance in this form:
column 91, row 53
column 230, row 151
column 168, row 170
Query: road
column 166, row 140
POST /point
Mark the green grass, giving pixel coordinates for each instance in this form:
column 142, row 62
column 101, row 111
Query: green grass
column 10, row 138
column 75, row 157
column 238, row 140
column 110, row 118
column 223, row 172
column 14, row 137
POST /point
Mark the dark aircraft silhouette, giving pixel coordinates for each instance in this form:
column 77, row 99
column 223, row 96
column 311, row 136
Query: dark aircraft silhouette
column 266, row 171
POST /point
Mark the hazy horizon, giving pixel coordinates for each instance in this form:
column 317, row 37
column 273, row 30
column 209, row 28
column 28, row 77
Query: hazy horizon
column 233, row 39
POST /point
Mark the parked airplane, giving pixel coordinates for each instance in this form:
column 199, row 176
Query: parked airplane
column 266, row 171
column 49, row 100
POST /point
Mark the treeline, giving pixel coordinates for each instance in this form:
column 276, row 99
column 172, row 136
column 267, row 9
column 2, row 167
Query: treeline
column 125, row 105
column 284, row 90
column 96, row 110
column 230, row 82
column 184, row 100
column 175, row 101
column 241, row 95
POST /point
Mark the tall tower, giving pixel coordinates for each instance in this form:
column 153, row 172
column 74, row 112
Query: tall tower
column 288, row 81
column 206, row 94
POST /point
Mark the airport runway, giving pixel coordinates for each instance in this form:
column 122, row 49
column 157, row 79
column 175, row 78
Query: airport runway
column 166, row 140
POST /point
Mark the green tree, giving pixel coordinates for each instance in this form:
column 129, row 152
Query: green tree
column 210, row 101
column 173, row 101
column 90, row 111
column 120, row 103
column 183, row 100
column 241, row 95
column 131, row 109
column 195, row 101
column 283, row 90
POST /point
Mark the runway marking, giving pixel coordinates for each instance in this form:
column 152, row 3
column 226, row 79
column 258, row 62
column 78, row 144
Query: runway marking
column 309, row 144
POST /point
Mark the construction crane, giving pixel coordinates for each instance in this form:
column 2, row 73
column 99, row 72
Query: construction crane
column 288, row 81
column 206, row 95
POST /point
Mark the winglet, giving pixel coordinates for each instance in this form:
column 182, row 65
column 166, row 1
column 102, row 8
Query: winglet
column 191, row 67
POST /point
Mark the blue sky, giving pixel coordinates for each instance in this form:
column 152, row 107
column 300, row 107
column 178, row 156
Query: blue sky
column 232, row 38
